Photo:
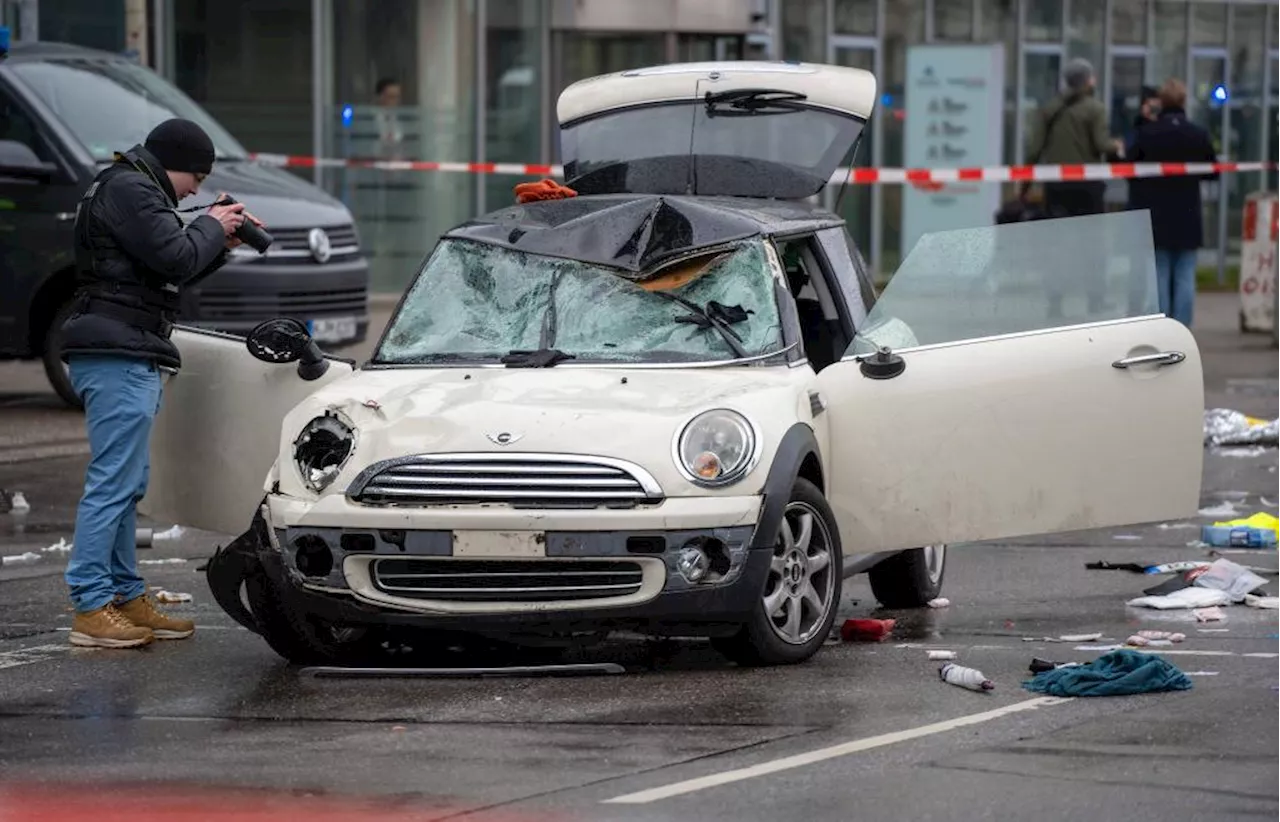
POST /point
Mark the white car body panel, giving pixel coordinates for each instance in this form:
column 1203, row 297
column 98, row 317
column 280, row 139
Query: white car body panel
column 1019, row 435
column 839, row 88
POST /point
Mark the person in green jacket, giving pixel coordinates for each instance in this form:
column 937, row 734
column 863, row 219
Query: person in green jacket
column 1071, row 129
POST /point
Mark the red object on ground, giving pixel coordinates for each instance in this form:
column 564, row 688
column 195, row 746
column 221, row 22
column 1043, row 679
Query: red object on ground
column 866, row 630
column 546, row 189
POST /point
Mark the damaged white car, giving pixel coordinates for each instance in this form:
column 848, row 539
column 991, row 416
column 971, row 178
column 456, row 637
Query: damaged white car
column 674, row 402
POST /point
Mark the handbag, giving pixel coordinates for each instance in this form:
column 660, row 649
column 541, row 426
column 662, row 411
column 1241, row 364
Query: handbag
column 1018, row 209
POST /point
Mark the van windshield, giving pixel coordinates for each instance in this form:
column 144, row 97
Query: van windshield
column 111, row 105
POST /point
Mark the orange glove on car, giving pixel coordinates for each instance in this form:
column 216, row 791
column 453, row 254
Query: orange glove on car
column 547, row 189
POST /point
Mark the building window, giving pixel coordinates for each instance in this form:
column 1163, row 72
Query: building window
column 953, row 20
column 854, row 16
column 513, row 91
column 804, row 35
column 1086, row 31
column 1169, row 48
column 1129, row 22
column 1209, row 24
column 1044, row 20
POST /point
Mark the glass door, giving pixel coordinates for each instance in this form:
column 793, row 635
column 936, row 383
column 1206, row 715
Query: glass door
column 857, row 201
column 1206, row 84
column 1041, row 82
column 1127, row 72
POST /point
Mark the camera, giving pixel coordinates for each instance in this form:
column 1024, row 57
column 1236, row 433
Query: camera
column 248, row 233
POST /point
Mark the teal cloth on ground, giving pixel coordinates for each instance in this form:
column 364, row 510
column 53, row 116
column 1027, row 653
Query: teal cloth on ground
column 1118, row 673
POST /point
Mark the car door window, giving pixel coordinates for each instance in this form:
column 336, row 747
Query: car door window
column 849, row 273
column 1017, row 278
column 819, row 302
column 16, row 124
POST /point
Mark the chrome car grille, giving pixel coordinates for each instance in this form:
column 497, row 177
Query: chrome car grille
column 537, row 580
column 518, row 480
column 293, row 245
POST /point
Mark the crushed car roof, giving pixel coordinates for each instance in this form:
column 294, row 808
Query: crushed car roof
column 637, row 233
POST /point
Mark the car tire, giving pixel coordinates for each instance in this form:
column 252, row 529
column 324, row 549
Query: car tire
column 808, row 532
column 909, row 579
column 300, row 638
column 54, row 368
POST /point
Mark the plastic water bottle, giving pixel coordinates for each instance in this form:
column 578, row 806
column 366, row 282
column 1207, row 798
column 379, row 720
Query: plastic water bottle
column 970, row 678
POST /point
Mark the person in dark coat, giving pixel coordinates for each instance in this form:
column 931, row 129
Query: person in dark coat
column 133, row 255
column 1177, row 217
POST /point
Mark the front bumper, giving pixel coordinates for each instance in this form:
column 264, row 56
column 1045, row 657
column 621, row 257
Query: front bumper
column 357, row 575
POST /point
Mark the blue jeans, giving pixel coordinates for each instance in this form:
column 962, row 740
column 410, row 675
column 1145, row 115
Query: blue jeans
column 121, row 397
column 1176, row 283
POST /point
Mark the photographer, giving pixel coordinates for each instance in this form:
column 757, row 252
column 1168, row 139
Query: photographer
column 133, row 254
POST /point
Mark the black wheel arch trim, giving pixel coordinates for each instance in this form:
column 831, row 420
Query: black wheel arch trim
column 796, row 446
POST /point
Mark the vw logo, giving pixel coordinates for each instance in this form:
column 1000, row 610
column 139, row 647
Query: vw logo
column 318, row 241
column 504, row 438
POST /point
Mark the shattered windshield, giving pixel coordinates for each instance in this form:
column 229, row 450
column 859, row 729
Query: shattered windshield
column 989, row 281
column 475, row 302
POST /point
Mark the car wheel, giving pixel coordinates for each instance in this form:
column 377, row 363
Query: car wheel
column 909, row 579
column 797, row 606
column 301, row 638
column 54, row 368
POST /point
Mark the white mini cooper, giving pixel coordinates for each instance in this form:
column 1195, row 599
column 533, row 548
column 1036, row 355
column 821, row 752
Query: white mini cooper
column 674, row 402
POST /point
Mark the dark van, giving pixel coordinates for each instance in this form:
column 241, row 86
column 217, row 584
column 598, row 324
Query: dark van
column 64, row 110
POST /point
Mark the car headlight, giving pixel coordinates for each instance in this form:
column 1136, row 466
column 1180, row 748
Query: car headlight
column 322, row 449
column 716, row 448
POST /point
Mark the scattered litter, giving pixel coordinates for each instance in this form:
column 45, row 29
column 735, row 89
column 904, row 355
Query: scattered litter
column 942, row 655
column 1074, row 638
column 940, row 602
column 970, row 678
column 1201, row 673
column 1172, row 637
column 1222, row 426
column 1139, row 568
column 1176, row 526
column 170, row 596
column 175, row 532
column 866, row 630
column 397, row 727
column 171, row 561
column 1130, row 537
column 1140, row 641
column 1213, row 614
column 1270, row 603
column 18, row 504
column 1213, row 630
column 1222, row 509
column 20, row 559
column 59, row 547
column 1111, row 647
column 1038, row 665
column 1235, row 580
column 1186, row 598
column 1262, row 530
column 1116, row 673
column 1247, row 452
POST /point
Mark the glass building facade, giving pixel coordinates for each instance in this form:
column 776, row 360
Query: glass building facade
column 476, row 81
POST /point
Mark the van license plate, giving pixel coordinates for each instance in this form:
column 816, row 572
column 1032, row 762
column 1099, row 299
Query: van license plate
column 332, row 329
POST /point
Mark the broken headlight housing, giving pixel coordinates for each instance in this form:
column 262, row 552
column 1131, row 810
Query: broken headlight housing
column 323, row 447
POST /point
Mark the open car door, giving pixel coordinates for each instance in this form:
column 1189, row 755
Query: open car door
column 218, row 431
column 1016, row 380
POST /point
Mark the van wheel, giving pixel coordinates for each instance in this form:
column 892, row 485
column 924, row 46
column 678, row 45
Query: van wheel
column 54, row 368
column 797, row 607
column 909, row 579
column 303, row 639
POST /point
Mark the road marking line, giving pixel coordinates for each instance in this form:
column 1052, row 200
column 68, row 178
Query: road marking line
column 27, row 656
column 800, row 760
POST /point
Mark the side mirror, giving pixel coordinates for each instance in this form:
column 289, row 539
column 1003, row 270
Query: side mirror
column 285, row 340
column 18, row 161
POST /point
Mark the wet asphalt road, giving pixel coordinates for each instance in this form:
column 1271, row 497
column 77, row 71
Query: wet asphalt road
column 222, row 712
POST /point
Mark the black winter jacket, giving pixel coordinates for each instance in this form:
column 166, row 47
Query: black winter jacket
column 1177, row 221
column 138, row 240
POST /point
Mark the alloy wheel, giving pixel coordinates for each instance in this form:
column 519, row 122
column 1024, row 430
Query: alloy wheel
column 801, row 584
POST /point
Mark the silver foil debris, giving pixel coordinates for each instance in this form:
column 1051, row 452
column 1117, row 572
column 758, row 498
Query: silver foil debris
column 1223, row 426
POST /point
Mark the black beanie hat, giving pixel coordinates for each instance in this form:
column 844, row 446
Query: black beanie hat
column 181, row 145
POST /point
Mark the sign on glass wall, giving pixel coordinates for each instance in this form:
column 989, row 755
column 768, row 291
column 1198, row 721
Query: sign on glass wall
column 954, row 111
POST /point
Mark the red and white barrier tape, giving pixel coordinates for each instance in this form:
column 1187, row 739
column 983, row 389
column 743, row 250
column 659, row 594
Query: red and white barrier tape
column 860, row 176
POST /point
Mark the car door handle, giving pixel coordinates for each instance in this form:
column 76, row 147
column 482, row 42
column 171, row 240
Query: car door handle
column 1163, row 358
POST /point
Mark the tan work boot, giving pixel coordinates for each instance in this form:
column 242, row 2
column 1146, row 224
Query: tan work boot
column 108, row 628
column 142, row 611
